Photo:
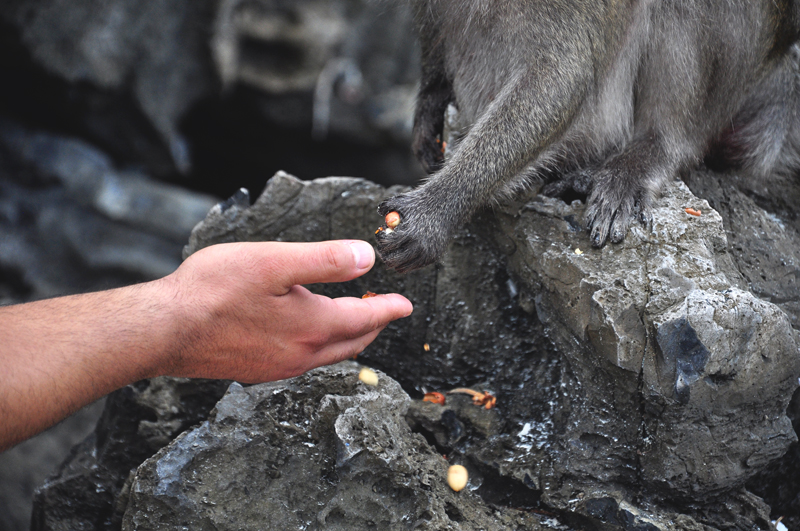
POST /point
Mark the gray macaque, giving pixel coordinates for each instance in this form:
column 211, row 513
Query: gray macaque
column 604, row 98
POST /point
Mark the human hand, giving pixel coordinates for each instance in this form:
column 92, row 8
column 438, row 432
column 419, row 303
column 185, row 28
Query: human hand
column 245, row 315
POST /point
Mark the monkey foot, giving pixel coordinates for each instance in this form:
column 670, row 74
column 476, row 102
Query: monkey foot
column 613, row 206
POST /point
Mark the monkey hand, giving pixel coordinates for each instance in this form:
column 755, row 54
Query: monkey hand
column 420, row 238
column 615, row 201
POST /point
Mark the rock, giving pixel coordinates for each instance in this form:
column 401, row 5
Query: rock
column 26, row 466
column 72, row 221
column 761, row 225
column 673, row 360
column 137, row 421
column 321, row 451
column 91, row 179
column 639, row 386
column 654, row 330
column 762, row 228
column 153, row 54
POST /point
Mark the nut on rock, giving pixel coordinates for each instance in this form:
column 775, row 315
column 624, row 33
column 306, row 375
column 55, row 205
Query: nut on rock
column 368, row 376
column 457, row 477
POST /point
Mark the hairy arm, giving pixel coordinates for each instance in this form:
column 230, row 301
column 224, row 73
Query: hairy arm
column 233, row 311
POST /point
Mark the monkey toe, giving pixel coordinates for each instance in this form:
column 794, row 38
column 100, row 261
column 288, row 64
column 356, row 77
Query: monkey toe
column 578, row 182
column 611, row 220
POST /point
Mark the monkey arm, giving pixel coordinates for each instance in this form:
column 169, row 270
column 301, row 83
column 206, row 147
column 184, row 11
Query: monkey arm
column 532, row 111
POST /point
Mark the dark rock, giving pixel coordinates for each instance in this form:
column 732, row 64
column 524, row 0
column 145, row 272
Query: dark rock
column 110, row 53
column 675, row 363
column 321, row 451
column 150, row 83
column 779, row 482
column 663, row 350
column 762, row 224
column 137, row 421
column 27, row 465
column 762, row 228
column 63, row 202
column 638, row 387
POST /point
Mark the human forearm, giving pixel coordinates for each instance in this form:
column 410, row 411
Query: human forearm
column 233, row 311
column 61, row 354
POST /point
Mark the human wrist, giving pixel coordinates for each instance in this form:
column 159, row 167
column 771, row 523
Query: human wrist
column 165, row 310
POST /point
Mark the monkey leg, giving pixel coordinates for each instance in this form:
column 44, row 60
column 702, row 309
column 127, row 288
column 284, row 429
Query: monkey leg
column 435, row 91
column 434, row 96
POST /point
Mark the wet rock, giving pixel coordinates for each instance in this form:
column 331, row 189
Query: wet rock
column 762, row 228
column 321, row 451
column 674, row 362
column 137, row 421
column 26, row 466
column 761, row 225
column 664, row 355
column 639, row 386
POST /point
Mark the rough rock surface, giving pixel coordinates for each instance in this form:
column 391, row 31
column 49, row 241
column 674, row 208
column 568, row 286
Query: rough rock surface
column 672, row 359
column 762, row 226
column 137, row 421
column 638, row 386
column 321, row 451
column 72, row 221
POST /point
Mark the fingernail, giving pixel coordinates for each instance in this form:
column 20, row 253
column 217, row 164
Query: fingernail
column 363, row 253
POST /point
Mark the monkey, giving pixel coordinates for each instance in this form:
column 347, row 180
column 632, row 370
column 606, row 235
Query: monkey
column 604, row 98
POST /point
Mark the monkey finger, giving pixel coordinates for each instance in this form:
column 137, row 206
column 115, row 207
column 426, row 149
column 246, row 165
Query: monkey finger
column 555, row 188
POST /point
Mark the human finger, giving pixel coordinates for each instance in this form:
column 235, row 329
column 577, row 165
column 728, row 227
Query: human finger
column 331, row 261
column 345, row 349
column 348, row 317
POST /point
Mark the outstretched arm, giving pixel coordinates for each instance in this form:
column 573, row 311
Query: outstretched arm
column 232, row 311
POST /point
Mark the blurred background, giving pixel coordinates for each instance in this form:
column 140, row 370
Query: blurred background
column 122, row 122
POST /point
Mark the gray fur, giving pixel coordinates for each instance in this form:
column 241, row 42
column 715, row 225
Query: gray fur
column 615, row 97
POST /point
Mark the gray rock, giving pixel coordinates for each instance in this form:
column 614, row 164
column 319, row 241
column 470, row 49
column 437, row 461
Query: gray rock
column 91, row 179
column 71, row 221
column 762, row 228
column 638, row 386
column 26, row 466
column 686, row 376
column 321, row 451
column 137, row 421
column 667, row 359
column 348, row 68
column 153, row 50
column 762, row 225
